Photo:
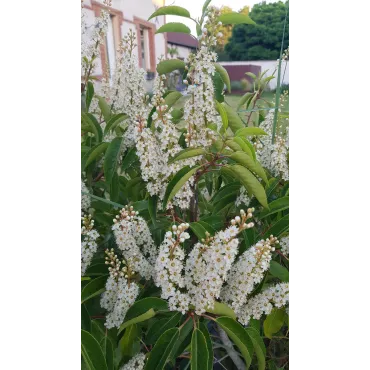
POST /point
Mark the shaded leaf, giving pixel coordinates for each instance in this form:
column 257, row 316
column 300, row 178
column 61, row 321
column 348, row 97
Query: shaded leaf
column 171, row 10
column 92, row 353
column 162, row 350
column 173, row 27
column 170, row 65
column 199, row 351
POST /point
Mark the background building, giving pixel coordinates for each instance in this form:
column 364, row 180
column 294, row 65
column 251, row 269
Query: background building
column 180, row 45
column 125, row 15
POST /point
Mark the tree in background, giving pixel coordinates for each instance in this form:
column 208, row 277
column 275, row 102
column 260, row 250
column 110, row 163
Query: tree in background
column 262, row 41
column 226, row 29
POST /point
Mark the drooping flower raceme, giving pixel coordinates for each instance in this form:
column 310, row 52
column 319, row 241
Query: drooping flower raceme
column 169, row 269
column 157, row 145
column 199, row 110
column 136, row 363
column 274, row 156
column 120, row 293
column 88, row 243
column 284, row 243
column 247, row 272
column 263, row 303
column 208, row 263
column 133, row 238
column 85, row 198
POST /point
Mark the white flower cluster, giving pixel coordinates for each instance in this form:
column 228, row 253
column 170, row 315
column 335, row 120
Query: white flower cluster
column 90, row 44
column 156, row 145
column 88, row 242
column 246, row 272
column 273, row 156
column 284, row 243
column 199, row 109
column 263, row 303
column 209, row 262
column 120, row 293
column 85, row 198
column 243, row 197
column 169, row 268
column 133, row 238
column 136, row 363
column 128, row 94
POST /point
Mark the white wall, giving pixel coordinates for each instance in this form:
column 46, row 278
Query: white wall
column 183, row 51
column 130, row 9
column 270, row 66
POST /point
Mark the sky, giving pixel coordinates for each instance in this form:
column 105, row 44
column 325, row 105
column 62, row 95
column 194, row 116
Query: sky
column 195, row 8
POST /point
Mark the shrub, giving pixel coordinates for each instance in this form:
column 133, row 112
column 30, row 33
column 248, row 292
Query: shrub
column 184, row 249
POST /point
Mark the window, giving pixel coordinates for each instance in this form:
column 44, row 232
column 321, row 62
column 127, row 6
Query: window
column 145, row 63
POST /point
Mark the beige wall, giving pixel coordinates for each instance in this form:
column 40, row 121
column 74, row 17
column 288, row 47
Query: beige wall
column 133, row 14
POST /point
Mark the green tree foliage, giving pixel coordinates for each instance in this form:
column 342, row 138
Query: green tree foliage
column 263, row 40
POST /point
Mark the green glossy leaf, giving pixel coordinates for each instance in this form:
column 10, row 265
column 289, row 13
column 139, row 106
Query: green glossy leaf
column 207, row 337
column 188, row 153
column 104, row 108
column 232, row 188
column 145, row 316
column 169, row 65
column 199, row 351
column 226, row 201
column 222, row 309
column 275, row 206
column 94, row 153
column 259, row 347
column 248, row 148
column 245, row 99
column 85, row 318
column 224, row 75
column 129, row 159
column 171, row 98
column 279, row 271
column 177, row 183
column 273, row 322
column 248, row 162
column 239, row 336
column 171, row 10
column 160, row 326
column 162, row 350
column 233, row 145
column 235, row 122
column 198, row 230
column 93, row 288
column 92, row 353
column 114, row 121
column 207, row 227
column 205, row 5
column 98, row 269
column 92, row 125
column 221, row 110
column 128, row 342
column 107, row 348
column 278, row 227
column 235, row 18
column 144, row 305
column 250, row 182
column 250, row 131
column 218, row 85
column 89, row 94
column 111, row 159
column 174, row 27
